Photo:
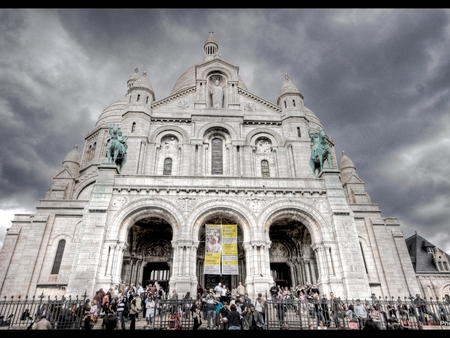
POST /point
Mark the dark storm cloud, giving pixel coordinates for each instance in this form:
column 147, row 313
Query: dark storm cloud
column 377, row 79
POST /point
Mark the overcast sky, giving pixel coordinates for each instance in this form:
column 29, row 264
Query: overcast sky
column 377, row 79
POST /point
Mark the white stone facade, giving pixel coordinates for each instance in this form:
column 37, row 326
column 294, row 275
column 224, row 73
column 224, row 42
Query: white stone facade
column 189, row 164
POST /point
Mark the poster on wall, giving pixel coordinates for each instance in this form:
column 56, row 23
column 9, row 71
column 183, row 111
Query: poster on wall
column 213, row 249
column 229, row 249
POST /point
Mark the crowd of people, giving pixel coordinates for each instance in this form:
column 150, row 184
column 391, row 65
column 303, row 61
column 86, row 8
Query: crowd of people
column 224, row 308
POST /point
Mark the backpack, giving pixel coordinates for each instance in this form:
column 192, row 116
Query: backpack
column 354, row 317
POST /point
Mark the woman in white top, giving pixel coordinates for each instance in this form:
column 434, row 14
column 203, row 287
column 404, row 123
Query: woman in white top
column 150, row 309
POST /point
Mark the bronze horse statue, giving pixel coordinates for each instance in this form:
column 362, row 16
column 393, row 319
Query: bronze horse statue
column 320, row 151
column 116, row 149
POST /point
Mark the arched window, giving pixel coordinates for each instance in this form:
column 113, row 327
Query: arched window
column 265, row 168
column 167, row 166
column 298, row 132
column 58, row 257
column 138, row 97
column 216, row 156
column 293, row 103
column 133, row 127
column 285, row 104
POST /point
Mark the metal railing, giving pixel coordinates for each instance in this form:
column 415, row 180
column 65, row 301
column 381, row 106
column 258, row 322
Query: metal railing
column 279, row 313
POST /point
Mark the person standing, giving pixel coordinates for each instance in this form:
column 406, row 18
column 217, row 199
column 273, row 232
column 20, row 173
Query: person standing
column 120, row 310
column 219, row 306
column 421, row 305
column 361, row 312
column 240, row 290
column 336, row 309
column 211, row 311
column 133, row 311
column 253, row 319
column 273, row 291
column 195, row 311
column 150, row 309
column 234, row 322
column 260, row 306
column 218, row 289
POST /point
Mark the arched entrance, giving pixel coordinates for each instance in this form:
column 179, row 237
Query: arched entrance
column 292, row 260
column 148, row 257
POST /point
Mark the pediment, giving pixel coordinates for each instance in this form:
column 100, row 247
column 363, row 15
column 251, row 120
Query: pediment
column 64, row 173
column 354, row 179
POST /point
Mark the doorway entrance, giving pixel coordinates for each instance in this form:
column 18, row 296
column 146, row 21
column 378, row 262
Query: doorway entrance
column 280, row 274
column 212, row 280
column 157, row 272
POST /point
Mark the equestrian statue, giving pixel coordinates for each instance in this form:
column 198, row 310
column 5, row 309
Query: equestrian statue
column 116, row 149
column 320, row 151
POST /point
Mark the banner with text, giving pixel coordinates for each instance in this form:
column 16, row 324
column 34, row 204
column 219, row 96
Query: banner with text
column 229, row 249
column 213, row 249
column 221, row 256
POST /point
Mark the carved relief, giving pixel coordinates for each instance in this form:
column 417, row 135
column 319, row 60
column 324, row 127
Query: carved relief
column 183, row 104
column 278, row 249
column 263, row 146
column 256, row 204
column 119, row 201
column 160, row 249
column 250, row 106
column 169, row 144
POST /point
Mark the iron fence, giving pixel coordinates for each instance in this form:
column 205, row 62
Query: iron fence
column 290, row 312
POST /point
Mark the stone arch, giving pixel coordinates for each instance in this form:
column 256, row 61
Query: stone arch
column 160, row 132
column 224, row 71
column 138, row 209
column 276, row 139
column 87, row 184
column 228, row 209
column 301, row 211
column 203, row 130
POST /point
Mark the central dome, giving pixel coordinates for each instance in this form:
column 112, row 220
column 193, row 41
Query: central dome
column 188, row 80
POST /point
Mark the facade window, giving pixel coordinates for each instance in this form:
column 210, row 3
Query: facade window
column 167, row 166
column 216, row 156
column 138, row 97
column 58, row 257
column 133, row 127
column 265, row 168
column 298, row 132
column 146, row 100
column 430, row 249
column 285, row 105
column 293, row 103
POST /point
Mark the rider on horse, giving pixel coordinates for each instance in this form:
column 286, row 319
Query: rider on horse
column 116, row 150
column 320, row 151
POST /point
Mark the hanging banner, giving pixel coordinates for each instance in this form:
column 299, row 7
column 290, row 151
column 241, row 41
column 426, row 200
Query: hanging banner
column 213, row 249
column 229, row 249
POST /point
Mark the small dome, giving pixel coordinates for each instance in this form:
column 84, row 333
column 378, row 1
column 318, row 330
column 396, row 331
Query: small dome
column 346, row 162
column 73, row 156
column 143, row 82
column 113, row 113
column 133, row 77
column 314, row 122
column 288, row 87
column 211, row 39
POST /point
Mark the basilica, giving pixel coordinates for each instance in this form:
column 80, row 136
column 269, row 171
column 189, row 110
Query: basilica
column 157, row 180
